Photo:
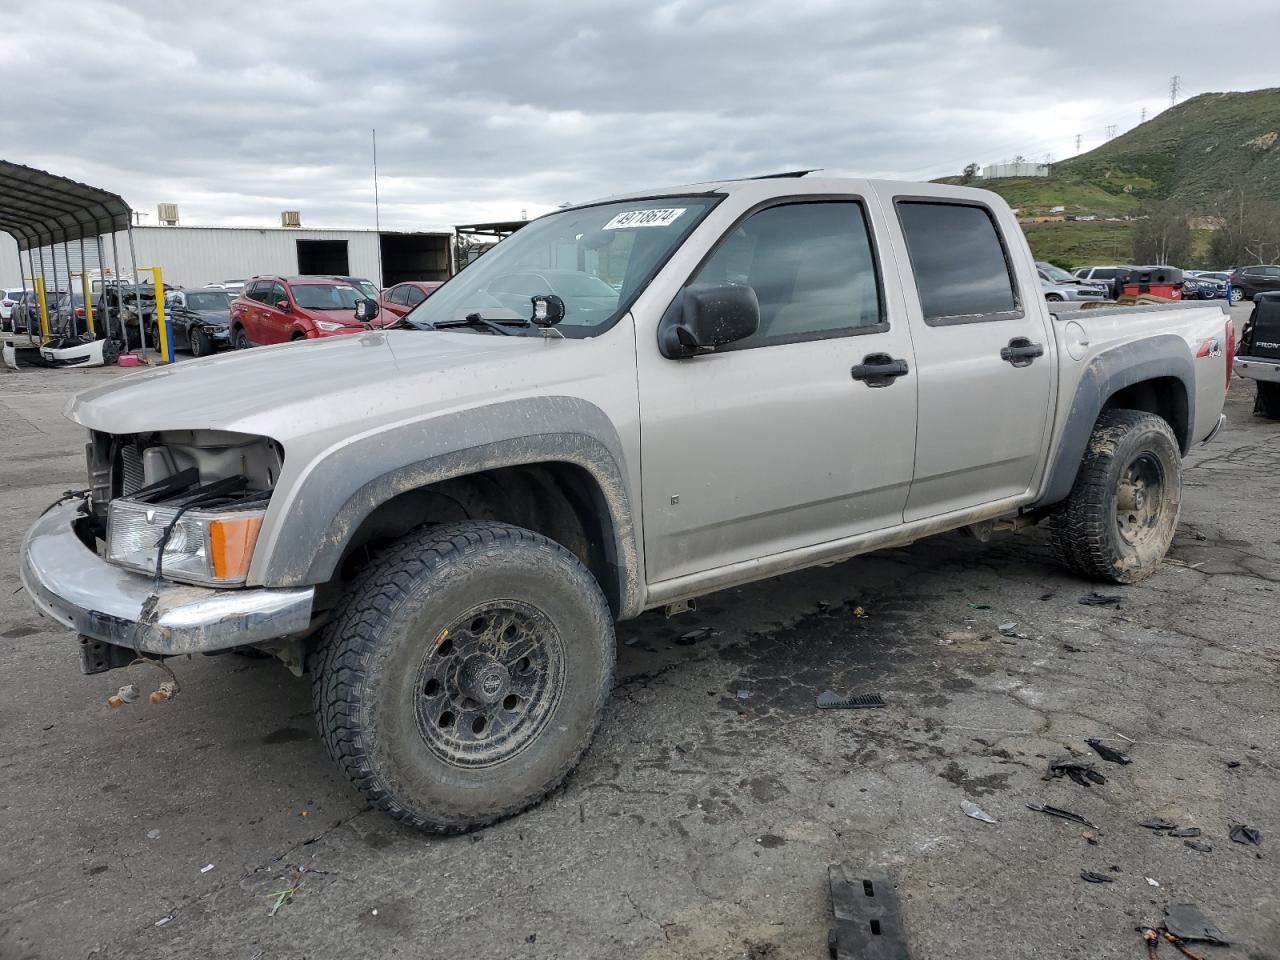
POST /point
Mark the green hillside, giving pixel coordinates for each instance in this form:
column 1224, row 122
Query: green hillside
column 1194, row 153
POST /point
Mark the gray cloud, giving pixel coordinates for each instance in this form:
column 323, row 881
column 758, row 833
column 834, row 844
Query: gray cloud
column 482, row 109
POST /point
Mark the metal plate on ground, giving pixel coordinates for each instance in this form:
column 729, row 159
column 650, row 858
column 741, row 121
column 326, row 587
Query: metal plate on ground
column 868, row 915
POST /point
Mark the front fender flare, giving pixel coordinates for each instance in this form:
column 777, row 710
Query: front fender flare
column 342, row 488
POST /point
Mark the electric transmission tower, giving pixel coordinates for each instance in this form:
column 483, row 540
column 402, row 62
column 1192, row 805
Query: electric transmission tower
column 1111, row 130
column 1144, row 115
column 1173, row 90
column 1077, row 143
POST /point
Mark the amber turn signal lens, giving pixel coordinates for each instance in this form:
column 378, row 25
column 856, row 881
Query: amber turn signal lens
column 231, row 543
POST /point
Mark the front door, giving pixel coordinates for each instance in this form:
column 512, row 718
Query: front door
column 770, row 444
column 984, row 357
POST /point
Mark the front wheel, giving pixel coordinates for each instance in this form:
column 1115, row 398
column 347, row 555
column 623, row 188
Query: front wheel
column 240, row 340
column 1118, row 521
column 1053, row 298
column 1237, row 295
column 464, row 675
column 201, row 345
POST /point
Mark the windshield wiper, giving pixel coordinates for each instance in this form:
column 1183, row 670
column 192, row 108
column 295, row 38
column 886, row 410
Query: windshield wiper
column 475, row 320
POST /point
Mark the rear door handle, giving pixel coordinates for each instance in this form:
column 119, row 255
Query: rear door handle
column 879, row 370
column 1021, row 352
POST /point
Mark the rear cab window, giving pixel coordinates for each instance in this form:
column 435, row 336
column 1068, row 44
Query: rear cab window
column 960, row 263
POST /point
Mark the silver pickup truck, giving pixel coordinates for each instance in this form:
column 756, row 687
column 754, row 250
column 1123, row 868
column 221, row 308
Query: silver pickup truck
column 625, row 405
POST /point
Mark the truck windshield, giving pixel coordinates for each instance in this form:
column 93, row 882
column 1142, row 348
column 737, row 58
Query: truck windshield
column 596, row 259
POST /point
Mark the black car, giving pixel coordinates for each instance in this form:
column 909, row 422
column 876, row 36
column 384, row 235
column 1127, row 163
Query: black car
column 1246, row 282
column 199, row 319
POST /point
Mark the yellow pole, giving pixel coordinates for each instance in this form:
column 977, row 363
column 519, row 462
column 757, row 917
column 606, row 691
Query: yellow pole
column 88, row 303
column 44, row 309
column 162, row 322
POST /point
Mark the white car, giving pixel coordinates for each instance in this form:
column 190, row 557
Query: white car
column 8, row 300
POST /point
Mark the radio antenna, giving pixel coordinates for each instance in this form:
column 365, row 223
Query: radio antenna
column 377, row 214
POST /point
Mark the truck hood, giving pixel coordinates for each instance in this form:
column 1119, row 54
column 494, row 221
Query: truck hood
column 298, row 388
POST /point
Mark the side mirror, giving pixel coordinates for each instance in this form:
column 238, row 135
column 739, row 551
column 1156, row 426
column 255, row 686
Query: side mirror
column 283, row 306
column 704, row 316
column 548, row 309
column 366, row 310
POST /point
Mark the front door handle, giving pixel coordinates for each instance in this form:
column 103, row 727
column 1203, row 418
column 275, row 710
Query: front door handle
column 1021, row 352
column 879, row 370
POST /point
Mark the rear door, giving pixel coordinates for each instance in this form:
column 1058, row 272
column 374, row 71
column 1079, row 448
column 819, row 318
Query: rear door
column 1270, row 279
column 770, row 444
column 983, row 357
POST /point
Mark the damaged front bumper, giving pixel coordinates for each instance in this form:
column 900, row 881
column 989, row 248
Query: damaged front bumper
column 73, row 585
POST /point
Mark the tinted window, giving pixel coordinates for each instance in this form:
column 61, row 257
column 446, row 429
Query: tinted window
column 415, row 296
column 207, row 301
column 958, row 261
column 1271, row 271
column 812, row 269
column 315, row 296
column 260, row 291
column 398, row 295
column 277, row 294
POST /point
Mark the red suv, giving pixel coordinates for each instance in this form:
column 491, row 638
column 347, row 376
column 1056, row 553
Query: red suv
column 280, row 309
column 403, row 297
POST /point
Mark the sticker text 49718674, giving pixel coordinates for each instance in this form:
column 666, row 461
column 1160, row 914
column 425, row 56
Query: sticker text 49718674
column 644, row 218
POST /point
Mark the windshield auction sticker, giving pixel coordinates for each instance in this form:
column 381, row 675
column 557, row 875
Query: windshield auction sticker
column 644, row 218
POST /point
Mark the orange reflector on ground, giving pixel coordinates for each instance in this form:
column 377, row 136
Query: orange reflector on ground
column 231, row 544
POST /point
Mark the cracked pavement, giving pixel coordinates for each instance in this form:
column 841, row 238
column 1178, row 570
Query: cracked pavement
column 703, row 819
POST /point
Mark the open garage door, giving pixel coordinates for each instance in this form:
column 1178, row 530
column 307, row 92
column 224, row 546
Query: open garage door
column 323, row 257
column 415, row 256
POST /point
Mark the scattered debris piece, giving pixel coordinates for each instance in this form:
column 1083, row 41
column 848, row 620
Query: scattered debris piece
column 1197, row 845
column 1185, row 832
column 1009, row 629
column 163, row 920
column 1088, row 876
column 1232, row 764
column 531, row 938
column 979, row 606
column 1046, row 596
column 1201, row 537
column 744, row 694
column 1090, row 838
column 971, row 809
column 830, row 700
column 693, row 636
column 1186, row 922
column 1080, row 771
column 1096, row 599
column 1153, row 882
column 1182, row 948
column 1246, row 835
column 153, row 834
column 206, row 868
column 1158, row 823
column 126, row 694
column 1152, row 940
column 1109, row 754
column 1064, row 814
column 868, row 916
column 859, row 613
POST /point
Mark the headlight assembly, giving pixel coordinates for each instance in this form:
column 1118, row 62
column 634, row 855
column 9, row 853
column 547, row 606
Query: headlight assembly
column 211, row 547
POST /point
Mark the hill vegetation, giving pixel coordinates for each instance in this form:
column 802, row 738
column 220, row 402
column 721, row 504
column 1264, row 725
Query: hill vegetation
column 1216, row 157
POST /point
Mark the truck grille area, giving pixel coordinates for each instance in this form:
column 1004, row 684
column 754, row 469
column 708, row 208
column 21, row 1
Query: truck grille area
column 132, row 477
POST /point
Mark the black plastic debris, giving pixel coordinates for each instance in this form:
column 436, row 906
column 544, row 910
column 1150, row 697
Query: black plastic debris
column 1080, row 771
column 830, row 700
column 1185, row 832
column 693, row 636
column 1186, row 922
column 1046, row 596
column 1096, row 599
column 1232, row 764
column 1090, row 877
column 1109, row 754
column 1158, row 823
column 1247, row 835
column 1198, row 845
column 868, row 915
column 1059, row 812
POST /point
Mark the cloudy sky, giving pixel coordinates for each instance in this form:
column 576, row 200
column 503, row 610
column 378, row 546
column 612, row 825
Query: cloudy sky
column 483, row 109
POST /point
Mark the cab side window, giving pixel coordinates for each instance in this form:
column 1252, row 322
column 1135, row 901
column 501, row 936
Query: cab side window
column 812, row 268
column 961, row 270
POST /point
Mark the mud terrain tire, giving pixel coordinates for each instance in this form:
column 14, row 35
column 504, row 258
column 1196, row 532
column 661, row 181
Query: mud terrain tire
column 1122, row 512
column 464, row 675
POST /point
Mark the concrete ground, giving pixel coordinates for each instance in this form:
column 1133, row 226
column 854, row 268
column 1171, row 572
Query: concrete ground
column 702, row 821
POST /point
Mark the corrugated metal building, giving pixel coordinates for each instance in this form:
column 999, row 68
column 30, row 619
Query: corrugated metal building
column 194, row 256
column 993, row 171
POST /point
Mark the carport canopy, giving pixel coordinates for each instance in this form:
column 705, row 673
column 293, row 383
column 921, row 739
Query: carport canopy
column 38, row 208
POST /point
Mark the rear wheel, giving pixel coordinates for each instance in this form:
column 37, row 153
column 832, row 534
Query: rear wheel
column 1122, row 512
column 1237, row 295
column 1268, row 401
column 464, row 675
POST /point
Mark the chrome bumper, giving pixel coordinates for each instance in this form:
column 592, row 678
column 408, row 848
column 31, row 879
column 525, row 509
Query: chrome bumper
column 73, row 585
column 1257, row 368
